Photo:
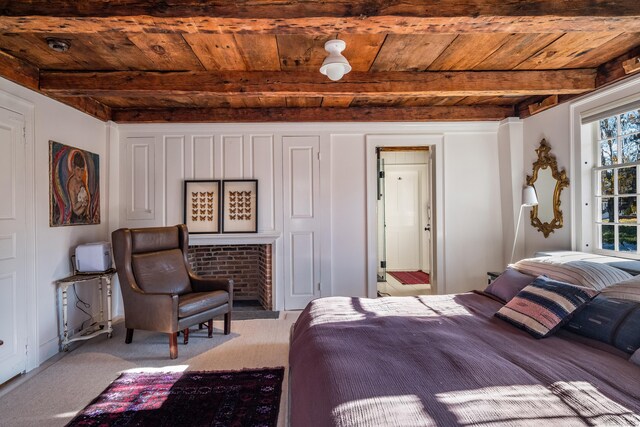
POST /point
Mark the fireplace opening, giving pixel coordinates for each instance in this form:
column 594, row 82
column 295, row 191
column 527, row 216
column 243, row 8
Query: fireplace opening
column 249, row 265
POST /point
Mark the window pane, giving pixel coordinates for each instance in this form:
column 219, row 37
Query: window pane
column 627, row 210
column 608, row 152
column 607, row 209
column 606, row 182
column 627, row 180
column 630, row 148
column 608, row 128
column 629, row 122
column 608, row 240
column 627, row 238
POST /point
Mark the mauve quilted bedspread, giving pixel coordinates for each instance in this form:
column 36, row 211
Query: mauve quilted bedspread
column 445, row 361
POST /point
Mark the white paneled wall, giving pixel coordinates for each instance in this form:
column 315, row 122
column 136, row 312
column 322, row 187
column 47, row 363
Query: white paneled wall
column 156, row 159
column 156, row 164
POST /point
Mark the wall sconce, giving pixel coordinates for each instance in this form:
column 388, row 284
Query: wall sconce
column 335, row 65
column 529, row 198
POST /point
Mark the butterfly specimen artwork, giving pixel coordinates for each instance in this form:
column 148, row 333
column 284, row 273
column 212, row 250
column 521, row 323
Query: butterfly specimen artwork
column 240, row 206
column 202, row 206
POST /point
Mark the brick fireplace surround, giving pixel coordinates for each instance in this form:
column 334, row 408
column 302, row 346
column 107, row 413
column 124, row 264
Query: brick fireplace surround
column 249, row 265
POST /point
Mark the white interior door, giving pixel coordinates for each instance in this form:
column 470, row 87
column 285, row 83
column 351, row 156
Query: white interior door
column 425, row 202
column 403, row 217
column 13, row 309
column 301, row 220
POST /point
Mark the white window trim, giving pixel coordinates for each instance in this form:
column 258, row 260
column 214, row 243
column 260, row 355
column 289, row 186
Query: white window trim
column 583, row 236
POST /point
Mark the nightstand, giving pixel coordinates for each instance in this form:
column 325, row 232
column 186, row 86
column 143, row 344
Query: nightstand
column 492, row 275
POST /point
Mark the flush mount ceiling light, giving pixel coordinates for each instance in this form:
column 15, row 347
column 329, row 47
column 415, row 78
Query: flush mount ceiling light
column 335, row 65
column 58, row 45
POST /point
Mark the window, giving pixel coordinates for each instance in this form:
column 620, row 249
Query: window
column 616, row 182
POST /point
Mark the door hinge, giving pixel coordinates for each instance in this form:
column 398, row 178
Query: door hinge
column 383, row 264
column 381, row 174
column 319, row 156
column 318, row 285
column 24, row 134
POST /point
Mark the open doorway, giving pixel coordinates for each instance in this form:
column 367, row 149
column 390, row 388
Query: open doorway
column 404, row 221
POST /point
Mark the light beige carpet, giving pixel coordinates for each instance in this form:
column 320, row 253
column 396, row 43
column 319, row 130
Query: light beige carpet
column 54, row 395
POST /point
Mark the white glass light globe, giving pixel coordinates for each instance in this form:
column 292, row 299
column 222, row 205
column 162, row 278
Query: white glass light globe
column 335, row 66
column 334, row 71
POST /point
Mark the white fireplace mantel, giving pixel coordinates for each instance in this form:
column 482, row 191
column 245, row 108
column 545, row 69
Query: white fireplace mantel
column 233, row 239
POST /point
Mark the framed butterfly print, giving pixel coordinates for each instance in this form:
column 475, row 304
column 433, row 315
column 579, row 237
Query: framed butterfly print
column 202, row 206
column 240, row 206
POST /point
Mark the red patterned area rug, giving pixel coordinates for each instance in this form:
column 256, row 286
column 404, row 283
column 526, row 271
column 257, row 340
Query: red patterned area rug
column 233, row 398
column 410, row 277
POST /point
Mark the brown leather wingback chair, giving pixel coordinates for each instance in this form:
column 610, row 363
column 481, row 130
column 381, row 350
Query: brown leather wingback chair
column 160, row 291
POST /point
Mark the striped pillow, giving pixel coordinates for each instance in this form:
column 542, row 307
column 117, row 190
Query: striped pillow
column 544, row 306
column 582, row 273
column 628, row 290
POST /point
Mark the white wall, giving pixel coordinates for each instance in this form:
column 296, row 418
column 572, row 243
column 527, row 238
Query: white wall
column 166, row 154
column 473, row 218
column 55, row 121
column 552, row 125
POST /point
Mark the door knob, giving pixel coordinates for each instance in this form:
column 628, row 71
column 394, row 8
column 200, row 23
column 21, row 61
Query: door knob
column 1, row 342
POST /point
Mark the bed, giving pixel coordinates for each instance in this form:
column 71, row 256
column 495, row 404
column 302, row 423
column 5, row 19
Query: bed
column 445, row 361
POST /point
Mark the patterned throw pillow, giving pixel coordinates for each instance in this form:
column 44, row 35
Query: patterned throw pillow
column 544, row 306
column 628, row 334
column 582, row 273
column 610, row 321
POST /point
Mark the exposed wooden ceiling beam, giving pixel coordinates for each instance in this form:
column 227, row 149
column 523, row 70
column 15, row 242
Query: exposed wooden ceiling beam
column 19, row 71
column 607, row 73
column 612, row 71
column 253, row 9
column 89, row 106
column 280, row 83
column 27, row 75
column 353, row 114
column 319, row 16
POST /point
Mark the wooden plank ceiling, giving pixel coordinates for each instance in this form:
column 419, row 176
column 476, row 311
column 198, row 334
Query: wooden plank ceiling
column 258, row 60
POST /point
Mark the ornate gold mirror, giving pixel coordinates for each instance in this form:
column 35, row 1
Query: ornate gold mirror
column 548, row 182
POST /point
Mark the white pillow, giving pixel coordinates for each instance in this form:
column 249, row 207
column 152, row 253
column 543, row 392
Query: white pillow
column 635, row 357
column 627, row 289
column 582, row 273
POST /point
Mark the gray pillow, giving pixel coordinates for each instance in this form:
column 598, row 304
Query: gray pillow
column 635, row 358
column 508, row 284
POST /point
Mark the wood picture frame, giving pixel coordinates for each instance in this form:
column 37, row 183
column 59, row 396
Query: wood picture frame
column 240, row 206
column 202, row 206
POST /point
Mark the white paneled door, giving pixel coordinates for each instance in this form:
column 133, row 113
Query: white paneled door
column 403, row 217
column 301, row 220
column 13, row 355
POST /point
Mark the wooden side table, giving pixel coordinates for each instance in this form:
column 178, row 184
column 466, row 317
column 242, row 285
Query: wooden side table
column 97, row 328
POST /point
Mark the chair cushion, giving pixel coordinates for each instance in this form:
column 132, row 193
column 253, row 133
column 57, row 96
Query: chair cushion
column 154, row 239
column 161, row 272
column 197, row 302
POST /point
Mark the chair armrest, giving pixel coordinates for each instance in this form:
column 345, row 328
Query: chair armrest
column 204, row 284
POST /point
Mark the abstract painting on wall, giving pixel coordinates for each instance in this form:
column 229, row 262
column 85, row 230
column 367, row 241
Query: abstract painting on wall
column 74, row 186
